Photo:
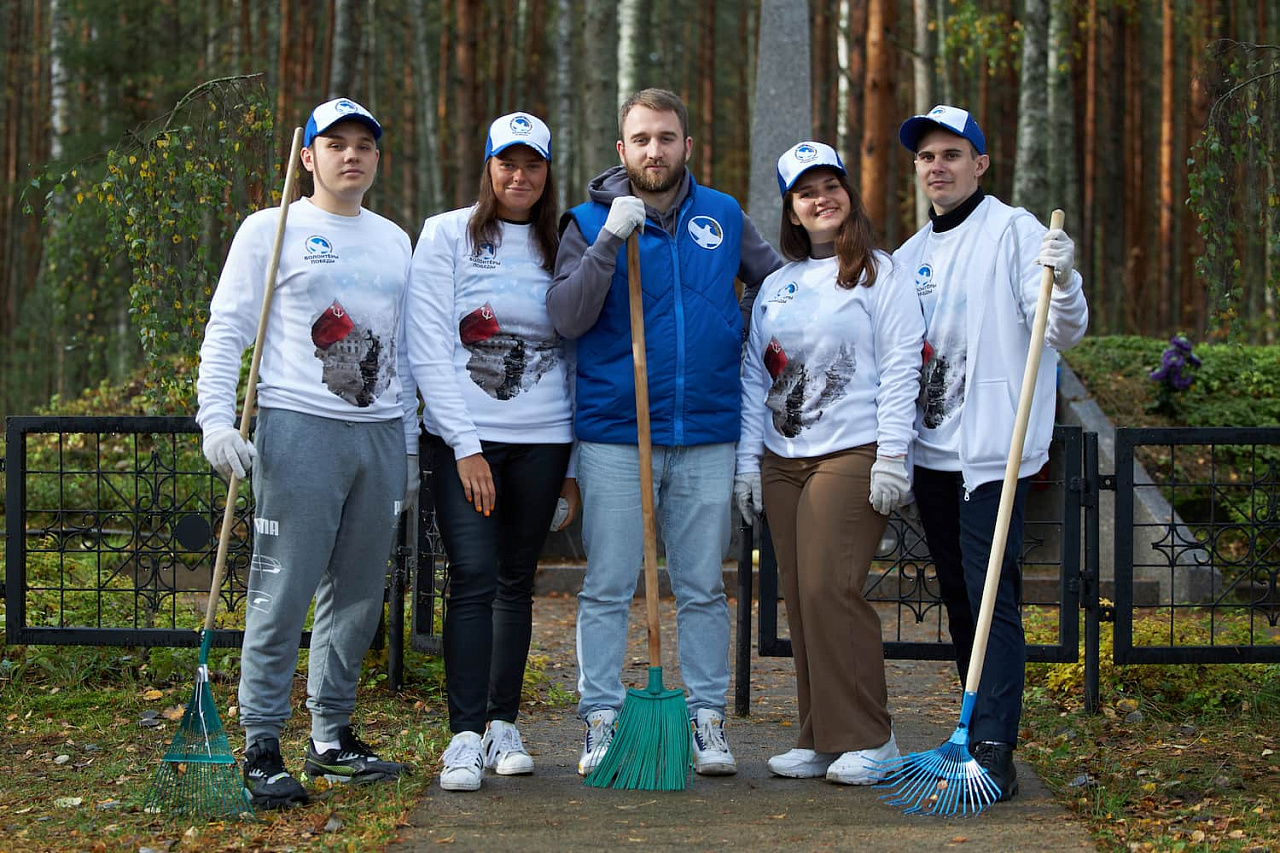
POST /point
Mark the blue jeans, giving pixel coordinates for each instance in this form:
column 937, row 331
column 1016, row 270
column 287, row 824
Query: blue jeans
column 692, row 489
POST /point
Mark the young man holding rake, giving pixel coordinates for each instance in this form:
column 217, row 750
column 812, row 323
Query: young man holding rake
column 977, row 269
column 693, row 242
column 334, row 450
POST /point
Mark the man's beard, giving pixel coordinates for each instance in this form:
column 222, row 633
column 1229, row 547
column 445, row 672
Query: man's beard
column 643, row 180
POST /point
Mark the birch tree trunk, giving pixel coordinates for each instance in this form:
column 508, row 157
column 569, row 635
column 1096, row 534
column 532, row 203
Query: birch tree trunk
column 628, row 48
column 342, row 66
column 1063, row 183
column 922, row 66
column 565, row 137
column 58, row 106
column 431, row 196
column 597, row 89
column 1030, row 176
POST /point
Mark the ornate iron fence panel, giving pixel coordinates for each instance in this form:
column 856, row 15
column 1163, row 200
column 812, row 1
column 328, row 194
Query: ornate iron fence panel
column 111, row 532
column 431, row 568
column 903, row 585
column 1196, row 526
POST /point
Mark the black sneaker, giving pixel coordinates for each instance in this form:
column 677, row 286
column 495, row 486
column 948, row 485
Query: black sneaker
column 353, row 761
column 997, row 759
column 269, row 785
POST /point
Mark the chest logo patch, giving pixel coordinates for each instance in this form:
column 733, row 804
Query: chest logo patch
column 785, row 293
column 924, row 279
column 485, row 256
column 320, row 250
column 706, row 232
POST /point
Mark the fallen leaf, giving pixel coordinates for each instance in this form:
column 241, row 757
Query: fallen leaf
column 1264, row 752
column 68, row 802
column 62, row 759
column 448, row 840
column 175, row 713
column 152, row 695
column 960, row 839
column 1236, row 833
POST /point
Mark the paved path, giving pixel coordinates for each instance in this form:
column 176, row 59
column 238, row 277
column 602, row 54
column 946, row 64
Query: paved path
column 552, row 810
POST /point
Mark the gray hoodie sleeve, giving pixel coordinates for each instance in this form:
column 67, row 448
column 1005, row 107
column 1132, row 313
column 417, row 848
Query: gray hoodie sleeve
column 758, row 260
column 581, row 279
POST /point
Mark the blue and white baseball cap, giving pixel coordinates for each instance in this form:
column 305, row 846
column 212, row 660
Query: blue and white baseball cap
column 330, row 113
column 954, row 119
column 802, row 157
column 518, row 129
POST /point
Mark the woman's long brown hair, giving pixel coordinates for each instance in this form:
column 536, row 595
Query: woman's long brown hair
column 484, row 226
column 855, row 241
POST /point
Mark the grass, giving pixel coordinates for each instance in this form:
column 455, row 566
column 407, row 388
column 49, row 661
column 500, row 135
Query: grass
column 91, row 799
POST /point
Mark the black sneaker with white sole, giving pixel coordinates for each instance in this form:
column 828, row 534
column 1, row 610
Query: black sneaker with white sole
column 352, row 761
column 269, row 785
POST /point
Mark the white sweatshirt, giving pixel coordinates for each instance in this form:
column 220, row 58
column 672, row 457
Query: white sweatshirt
column 490, row 364
column 830, row 368
column 978, row 284
column 332, row 341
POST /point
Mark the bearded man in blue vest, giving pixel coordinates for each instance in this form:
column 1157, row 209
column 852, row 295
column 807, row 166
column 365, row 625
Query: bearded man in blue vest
column 693, row 242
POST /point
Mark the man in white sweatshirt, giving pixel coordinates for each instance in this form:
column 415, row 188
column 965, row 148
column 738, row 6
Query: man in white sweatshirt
column 337, row 422
column 977, row 268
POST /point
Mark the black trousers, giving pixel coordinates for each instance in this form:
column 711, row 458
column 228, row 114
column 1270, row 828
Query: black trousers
column 958, row 529
column 489, row 612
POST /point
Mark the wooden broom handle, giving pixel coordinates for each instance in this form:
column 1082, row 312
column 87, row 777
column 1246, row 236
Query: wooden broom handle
column 251, row 389
column 646, row 450
column 1008, row 489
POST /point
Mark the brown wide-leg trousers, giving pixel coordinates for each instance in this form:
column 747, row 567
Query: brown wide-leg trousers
column 825, row 534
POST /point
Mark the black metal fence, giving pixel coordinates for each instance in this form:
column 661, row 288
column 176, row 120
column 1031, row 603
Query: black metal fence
column 110, row 541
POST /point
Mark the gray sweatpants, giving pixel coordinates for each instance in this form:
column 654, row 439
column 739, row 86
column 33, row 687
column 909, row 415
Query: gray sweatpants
column 326, row 492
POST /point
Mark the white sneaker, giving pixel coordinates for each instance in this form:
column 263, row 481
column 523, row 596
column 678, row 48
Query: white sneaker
column 600, row 729
column 463, row 763
column 711, row 755
column 863, row 766
column 504, row 751
column 801, row 763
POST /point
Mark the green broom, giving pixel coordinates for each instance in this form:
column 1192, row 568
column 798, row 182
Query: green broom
column 198, row 776
column 651, row 748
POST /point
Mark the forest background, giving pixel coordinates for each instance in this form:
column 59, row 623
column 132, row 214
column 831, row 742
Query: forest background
column 136, row 134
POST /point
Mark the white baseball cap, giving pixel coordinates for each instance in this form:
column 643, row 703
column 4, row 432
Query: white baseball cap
column 330, row 113
column 802, row 157
column 954, row 119
column 518, row 129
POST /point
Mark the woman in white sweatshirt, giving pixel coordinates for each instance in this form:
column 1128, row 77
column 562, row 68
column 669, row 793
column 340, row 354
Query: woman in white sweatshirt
column 498, row 415
column 829, row 387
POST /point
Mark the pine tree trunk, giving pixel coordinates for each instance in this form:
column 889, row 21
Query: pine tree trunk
column 855, row 107
column 1167, row 180
column 1063, row 182
column 431, row 193
column 566, row 135
column 704, row 150
column 464, row 104
column 1091, row 240
column 880, row 112
column 343, row 39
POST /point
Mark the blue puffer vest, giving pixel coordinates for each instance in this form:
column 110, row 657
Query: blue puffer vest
column 693, row 331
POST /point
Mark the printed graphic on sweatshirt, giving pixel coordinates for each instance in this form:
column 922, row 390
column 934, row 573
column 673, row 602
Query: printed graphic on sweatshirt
column 504, row 362
column 942, row 390
column 357, row 364
column 802, row 392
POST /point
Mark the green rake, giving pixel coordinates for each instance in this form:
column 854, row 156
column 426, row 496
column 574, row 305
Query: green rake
column 948, row 781
column 652, row 747
column 198, row 776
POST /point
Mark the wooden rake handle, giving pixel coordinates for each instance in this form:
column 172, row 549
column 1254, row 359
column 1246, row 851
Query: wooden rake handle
column 982, row 632
column 251, row 390
column 643, row 442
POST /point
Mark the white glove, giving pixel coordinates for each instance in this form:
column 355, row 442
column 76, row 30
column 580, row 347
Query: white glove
column 562, row 512
column 889, row 484
column 412, row 482
column 626, row 214
column 746, row 496
column 1058, row 251
column 228, row 453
